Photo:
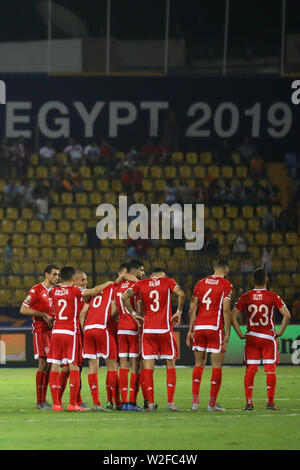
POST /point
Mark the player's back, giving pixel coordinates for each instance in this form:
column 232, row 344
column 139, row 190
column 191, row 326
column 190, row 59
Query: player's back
column 258, row 304
column 99, row 312
column 126, row 322
column 66, row 306
column 211, row 292
column 155, row 294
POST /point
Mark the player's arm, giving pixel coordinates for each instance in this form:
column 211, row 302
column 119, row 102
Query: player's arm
column 24, row 310
column 285, row 320
column 176, row 318
column 127, row 304
column 86, row 293
column 234, row 321
column 192, row 319
column 227, row 320
column 83, row 314
column 125, row 277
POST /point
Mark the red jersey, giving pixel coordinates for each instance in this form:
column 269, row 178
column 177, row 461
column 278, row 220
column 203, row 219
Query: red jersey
column 99, row 311
column 126, row 323
column 66, row 305
column 259, row 306
column 155, row 294
column 38, row 299
column 211, row 291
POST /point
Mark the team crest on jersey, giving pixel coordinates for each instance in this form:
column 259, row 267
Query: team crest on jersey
column 28, row 298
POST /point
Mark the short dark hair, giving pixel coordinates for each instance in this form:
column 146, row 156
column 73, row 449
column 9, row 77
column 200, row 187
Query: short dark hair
column 134, row 264
column 49, row 268
column 222, row 264
column 259, row 276
column 123, row 266
column 66, row 273
column 158, row 270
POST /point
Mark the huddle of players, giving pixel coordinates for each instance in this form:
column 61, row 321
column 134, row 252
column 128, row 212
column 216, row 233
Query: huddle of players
column 130, row 320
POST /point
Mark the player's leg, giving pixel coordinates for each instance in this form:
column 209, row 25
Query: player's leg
column 53, row 384
column 250, row 373
column 40, row 380
column 74, row 387
column 112, row 378
column 271, row 380
column 171, row 384
column 134, row 355
column 63, row 380
column 200, row 361
column 123, row 353
column 216, row 380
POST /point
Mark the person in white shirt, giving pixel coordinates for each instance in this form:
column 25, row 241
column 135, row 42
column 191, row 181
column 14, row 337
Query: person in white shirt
column 47, row 154
column 74, row 152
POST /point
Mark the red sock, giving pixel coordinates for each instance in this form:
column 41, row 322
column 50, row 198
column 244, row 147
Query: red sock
column 39, row 379
column 133, row 391
column 74, row 386
column 93, row 383
column 118, row 400
column 197, row 376
column 143, row 385
column 79, row 399
column 62, row 382
column 123, row 383
column 149, row 385
column 45, row 386
column 53, row 383
column 271, row 385
column 248, row 384
column 108, row 390
column 113, row 382
column 171, row 384
column 216, row 379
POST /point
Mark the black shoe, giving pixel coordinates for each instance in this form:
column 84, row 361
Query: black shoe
column 146, row 405
column 272, row 407
column 248, row 407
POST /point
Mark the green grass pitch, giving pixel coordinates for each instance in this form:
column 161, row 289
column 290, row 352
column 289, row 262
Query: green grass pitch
column 22, row 427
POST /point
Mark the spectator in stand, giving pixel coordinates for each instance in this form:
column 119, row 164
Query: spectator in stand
column 224, row 155
column 239, row 245
column 5, row 158
column 184, row 193
column 288, row 220
column 8, row 256
column 246, row 150
column 76, row 180
column 148, row 152
column 213, row 193
column 269, row 220
column 247, row 265
column 227, row 193
column 20, row 156
column 42, row 205
column 163, row 152
column 211, row 244
column 257, row 167
column 126, row 178
column 171, row 132
column 266, row 262
column 137, row 179
column 137, row 248
column 25, row 193
column 92, row 153
column 171, row 192
column 47, row 154
column 74, row 152
column 107, row 155
column 130, row 158
column 39, row 189
column 11, row 194
column 199, row 193
column 57, row 183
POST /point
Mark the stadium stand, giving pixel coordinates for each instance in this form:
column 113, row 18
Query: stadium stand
column 236, row 204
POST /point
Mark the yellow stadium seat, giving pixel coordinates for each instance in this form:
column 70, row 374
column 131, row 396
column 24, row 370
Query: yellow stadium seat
column 292, row 238
column 247, row 212
column 81, row 199
column 156, row 171
column 260, row 210
column 71, row 213
column 290, row 264
column 56, row 213
column 63, row 226
column 47, row 253
column 232, row 212
column 28, row 267
column 164, row 253
column 210, row 224
column 262, row 238
column 85, row 213
column 34, row 159
column 7, row 226
column 50, row 226
column 199, row 171
column 33, row 252
column 88, row 184
column 95, row 198
column 147, row 184
column 214, row 171
column 110, row 197
column 241, row 171
column 12, row 213
column 191, row 158
column 35, row 226
column 239, row 224
column 14, row 281
column 248, row 182
column 217, row 212
column 185, row 171
column 78, row 226
column 85, row 171
column 66, row 199
column 296, row 279
column 177, row 157
column 283, row 251
column 296, row 251
column 160, row 184
column 74, row 239
column 32, row 239
column 21, row 226
column 30, row 172
column 276, row 238
column 206, row 158
column 5, row 296
column 41, row 172
column 236, row 158
column 62, row 253
column 276, row 209
column 46, row 239
column 101, row 266
column 18, row 239
column 116, row 185
column 227, row 171
column 254, row 224
column 170, row 172
column 102, row 185
column 284, row 279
